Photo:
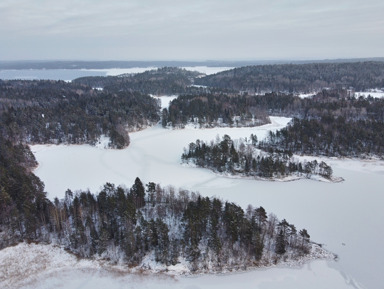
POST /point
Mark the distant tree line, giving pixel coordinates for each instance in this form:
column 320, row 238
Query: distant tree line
column 291, row 78
column 328, row 136
column 242, row 158
column 162, row 81
column 210, row 110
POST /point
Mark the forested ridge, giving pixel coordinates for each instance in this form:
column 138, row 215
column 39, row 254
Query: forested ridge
column 166, row 80
column 299, row 78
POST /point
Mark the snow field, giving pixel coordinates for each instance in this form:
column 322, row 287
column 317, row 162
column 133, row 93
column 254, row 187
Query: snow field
column 48, row 266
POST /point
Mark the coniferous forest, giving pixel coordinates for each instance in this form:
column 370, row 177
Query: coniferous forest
column 59, row 112
column 120, row 223
column 299, row 78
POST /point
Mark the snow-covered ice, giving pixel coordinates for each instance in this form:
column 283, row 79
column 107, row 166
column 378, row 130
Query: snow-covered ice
column 48, row 266
column 346, row 217
column 69, row 74
column 153, row 155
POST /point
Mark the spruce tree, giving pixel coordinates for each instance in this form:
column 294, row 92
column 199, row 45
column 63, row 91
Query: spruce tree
column 138, row 193
column 280, row 243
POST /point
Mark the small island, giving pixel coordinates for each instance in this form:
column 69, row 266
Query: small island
column 242, row 158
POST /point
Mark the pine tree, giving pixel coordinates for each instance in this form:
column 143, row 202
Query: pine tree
column 138, row 193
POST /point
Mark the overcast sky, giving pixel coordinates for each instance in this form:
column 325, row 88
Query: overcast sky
column 190, row 30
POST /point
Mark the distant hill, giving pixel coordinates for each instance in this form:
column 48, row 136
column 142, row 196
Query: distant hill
column 311, row 77
column 166, row 80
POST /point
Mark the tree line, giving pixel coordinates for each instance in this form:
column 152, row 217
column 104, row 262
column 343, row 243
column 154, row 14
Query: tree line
column 299, row 78
column 128, row 224
column 242, row 158
column 332, row 123
column 329, row 136
column 59, row 112
column 161, row 81
column 210, row 110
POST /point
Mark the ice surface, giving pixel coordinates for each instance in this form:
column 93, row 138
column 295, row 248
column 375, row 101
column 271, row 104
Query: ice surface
column 346, row 217
column 70, row 74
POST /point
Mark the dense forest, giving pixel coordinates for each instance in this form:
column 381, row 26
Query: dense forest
column 329, row 136
column 166, row 80
column 60, row 112
column 330, row 124
column 211, row 110
column 242, row 158
column 299, row 78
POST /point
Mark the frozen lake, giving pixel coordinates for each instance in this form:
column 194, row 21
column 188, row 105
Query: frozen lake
column 70, row 74
column 346, row 217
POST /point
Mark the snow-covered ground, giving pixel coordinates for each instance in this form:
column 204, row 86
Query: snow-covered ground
column 48, row 266
column 346, row 217
column 165, row 100
column 306, row 95
column 375, row 93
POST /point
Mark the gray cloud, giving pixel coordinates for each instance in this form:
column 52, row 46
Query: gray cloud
column 170, row 29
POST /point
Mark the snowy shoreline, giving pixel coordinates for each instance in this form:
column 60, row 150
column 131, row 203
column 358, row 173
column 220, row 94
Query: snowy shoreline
column 291, row 178
column 27, row 263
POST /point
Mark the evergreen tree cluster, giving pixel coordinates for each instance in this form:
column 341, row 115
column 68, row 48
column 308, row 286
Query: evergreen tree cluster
column 210, row 110
column 332, row 123
column 59, row 112
column 127, row 225
column 291, row 78
column 243, row 158
column 162, row 81
column 329, row 136
column 23, row 203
